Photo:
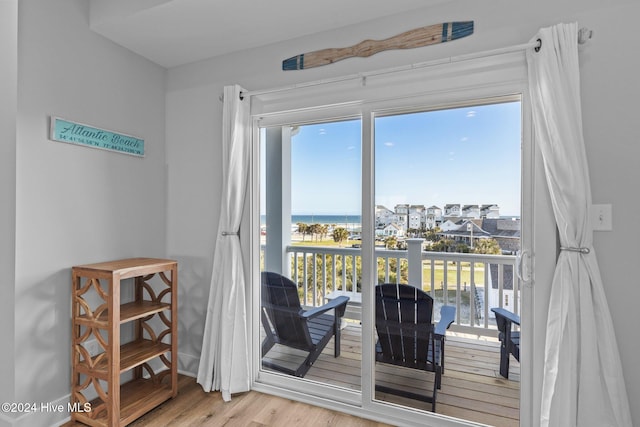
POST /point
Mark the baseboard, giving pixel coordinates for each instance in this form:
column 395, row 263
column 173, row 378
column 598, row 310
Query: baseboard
column 188, row 364
column 5, row 421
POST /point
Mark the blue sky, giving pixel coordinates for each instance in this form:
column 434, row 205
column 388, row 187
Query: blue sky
column 467, row 155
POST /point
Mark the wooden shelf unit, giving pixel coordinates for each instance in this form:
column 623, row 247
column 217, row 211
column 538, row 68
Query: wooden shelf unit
column 98, row 325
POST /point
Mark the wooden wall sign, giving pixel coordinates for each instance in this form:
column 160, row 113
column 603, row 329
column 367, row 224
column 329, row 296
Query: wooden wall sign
column 80, row 134
column 424, row 36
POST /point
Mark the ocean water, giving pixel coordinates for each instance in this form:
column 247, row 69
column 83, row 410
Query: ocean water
column 326, row 219
column 347, row 221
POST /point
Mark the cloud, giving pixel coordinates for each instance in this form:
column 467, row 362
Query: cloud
column 471, row 113
column 464, row 139
column 389, row 144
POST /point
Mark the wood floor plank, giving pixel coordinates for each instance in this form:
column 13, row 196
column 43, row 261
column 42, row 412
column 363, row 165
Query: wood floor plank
column 193, row 407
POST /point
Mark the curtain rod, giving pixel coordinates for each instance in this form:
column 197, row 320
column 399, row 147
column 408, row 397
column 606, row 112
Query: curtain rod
column 584, row 34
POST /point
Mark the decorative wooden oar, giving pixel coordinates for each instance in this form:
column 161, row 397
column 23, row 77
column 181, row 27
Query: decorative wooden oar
column 425, row 36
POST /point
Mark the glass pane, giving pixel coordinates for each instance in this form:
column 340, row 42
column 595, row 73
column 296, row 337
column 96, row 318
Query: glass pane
column 447, row 195
column 310, row 241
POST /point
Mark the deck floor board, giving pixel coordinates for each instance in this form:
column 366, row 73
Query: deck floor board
column 472, row 388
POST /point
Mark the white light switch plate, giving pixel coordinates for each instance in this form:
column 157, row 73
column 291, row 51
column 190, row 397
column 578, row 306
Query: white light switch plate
column 601, row 217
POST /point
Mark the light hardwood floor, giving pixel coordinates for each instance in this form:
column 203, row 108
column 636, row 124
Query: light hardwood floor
column 193, row 407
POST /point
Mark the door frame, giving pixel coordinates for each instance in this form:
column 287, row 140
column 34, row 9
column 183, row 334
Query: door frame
column 537, row 240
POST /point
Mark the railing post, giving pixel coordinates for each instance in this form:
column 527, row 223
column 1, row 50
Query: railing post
column 414, row 258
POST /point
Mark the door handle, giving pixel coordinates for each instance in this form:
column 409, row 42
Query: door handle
column 523, row 267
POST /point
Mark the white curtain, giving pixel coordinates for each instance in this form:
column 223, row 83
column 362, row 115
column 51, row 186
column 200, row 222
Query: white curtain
column 583, row 383
column 224, row 362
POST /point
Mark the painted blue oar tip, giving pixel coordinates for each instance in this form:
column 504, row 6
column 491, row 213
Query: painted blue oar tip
column 461, row 29
column 293, row 63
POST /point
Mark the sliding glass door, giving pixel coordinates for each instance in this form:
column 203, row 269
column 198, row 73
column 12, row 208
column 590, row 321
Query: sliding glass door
column 431, row 191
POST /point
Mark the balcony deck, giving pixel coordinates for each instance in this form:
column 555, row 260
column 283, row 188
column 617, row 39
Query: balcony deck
column 472, row 387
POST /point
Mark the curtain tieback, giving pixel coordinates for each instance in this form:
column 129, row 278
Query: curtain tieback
column 580, row 250
column 230, row 233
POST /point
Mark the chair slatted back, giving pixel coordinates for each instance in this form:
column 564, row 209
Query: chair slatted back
column 404, row 326
column 281, row 303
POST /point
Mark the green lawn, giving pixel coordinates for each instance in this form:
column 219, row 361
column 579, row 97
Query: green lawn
column 326, row 243
column 452, row 274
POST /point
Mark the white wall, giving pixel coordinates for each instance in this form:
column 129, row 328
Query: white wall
column 610, row 93
column 8, row 112
column 77, row 205
column 610, row 90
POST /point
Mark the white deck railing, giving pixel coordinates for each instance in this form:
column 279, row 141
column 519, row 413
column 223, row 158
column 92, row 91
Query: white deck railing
column 473, row 283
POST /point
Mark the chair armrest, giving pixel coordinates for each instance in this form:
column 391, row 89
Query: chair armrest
column 340, row 304
column 447, row 317
column 509, row 316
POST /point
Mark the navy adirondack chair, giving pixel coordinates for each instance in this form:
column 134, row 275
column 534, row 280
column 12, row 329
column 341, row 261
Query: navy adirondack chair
column 287, row 324
column 509, row 339
column 407, row 336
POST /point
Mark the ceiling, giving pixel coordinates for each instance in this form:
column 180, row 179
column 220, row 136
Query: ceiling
column 176, row 32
